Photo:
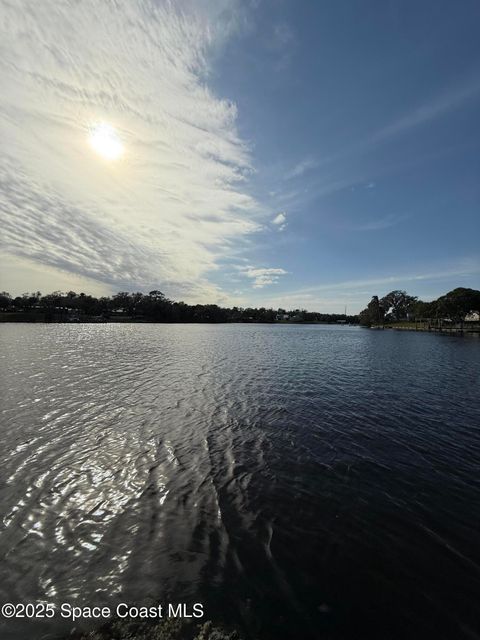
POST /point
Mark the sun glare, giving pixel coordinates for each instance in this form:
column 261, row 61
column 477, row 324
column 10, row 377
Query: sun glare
column 105, row 141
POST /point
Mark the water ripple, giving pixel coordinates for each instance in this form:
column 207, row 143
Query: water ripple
column 292, row 478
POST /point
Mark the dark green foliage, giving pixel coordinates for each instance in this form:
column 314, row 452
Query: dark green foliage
column 5, row 300
column 425, row 309
column 373, row 314
column 27, row 301
column 151, row 307
column 457, row 303
column 397, row 305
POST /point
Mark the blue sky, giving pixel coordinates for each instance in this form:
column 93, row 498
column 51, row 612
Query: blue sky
column 295, row 154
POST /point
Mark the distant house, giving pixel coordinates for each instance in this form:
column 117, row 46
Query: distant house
column 473, row 316
column 66, row 314
column 73, row 315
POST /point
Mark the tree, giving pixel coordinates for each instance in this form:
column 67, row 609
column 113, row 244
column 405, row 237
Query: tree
column 52, row 300
column 425, row 309
column 5, row 300
column 373, row 314
column 398, row 304
column 136, row 303
column 154, row 307
column 456, row 304
column 28, row 300
column 121, row 301
column 156, row 295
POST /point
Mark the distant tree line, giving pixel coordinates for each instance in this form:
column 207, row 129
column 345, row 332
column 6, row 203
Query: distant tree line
column 455, row 305
column 151, row 307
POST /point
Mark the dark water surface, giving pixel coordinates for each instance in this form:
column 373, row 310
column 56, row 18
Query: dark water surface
column 300, row 481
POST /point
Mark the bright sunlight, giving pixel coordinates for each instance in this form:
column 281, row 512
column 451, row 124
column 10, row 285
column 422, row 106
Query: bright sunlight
column 105, row 141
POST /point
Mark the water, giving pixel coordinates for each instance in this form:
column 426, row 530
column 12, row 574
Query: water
column 299, row 481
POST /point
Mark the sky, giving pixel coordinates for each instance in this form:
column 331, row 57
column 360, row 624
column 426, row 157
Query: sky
column 279, row 153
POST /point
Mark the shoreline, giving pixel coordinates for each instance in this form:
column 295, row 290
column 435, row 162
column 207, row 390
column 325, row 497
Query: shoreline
column 131, row 321
column 458, row 329
column 40, row 318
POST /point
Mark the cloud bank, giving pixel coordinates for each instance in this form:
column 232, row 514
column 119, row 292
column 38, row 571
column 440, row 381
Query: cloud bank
column 169, row 210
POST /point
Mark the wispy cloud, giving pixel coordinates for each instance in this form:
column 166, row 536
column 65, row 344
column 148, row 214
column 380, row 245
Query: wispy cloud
column 302, row 167
column 430, row 110
column 262, row 276
column 440, row 105
column 377, row 224
column 172, row 207
column 282, row 35
column 280, row 41
column 469, row 268
column 280, row 221
column 356, row 294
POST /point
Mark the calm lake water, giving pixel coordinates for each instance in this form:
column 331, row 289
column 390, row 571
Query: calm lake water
column 299, row 481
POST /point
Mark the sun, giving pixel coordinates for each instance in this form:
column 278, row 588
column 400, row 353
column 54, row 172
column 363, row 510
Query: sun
column 105, row 141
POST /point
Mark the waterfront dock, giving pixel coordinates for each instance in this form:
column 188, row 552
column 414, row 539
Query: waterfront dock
column 435, row 326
